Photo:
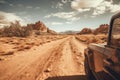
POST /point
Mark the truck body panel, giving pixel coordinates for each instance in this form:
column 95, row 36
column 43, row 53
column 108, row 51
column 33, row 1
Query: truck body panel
column 104, row 59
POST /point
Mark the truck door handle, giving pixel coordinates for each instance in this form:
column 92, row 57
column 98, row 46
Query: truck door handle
column 108, row 62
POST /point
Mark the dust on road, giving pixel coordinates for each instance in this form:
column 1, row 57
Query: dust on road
column 62, row 59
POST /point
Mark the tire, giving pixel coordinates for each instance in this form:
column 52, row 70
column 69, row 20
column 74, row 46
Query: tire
column 88, row 72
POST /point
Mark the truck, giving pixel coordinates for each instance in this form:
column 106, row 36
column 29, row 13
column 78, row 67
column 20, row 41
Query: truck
column 102, row 61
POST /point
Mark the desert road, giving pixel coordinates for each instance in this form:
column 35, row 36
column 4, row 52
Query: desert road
column 61, row 59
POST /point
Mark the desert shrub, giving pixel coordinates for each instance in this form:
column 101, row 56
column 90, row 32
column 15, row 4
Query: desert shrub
column 15, row 29
column 92, row 39
column 1, row 30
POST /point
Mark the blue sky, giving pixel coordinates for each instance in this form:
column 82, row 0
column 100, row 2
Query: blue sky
column 59, row 15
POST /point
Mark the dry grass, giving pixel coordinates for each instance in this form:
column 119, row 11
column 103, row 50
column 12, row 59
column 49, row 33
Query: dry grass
column 24, row 47
column 27, row 47
column 92, row 38
column 13, row 45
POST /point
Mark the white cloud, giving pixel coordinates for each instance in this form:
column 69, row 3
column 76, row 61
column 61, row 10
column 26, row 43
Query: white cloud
column 7, row 18
column 98, row 6
column 83, row 10
column 99, row 10
column 82, row 4
column 27, row 18
column 48, row 16
column 64, row 15
column 74, row 19
column 106, row 6
column 56, row 23
column 115, row 8
column 64, row 1
column 70, row 16
column 68, row 22
column 59, row 5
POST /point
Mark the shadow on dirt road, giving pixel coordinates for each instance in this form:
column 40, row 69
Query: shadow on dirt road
column 72, row 77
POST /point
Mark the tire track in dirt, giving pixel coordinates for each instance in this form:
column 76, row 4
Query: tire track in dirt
column 58, row 60
column 30, row 70
column 64, row 66
column 78, row 54
column 49, row 66
column 67, row 68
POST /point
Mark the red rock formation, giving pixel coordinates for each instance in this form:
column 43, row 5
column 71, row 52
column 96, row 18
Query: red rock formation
column 103, row 29
column 41, row 27
column 85, row 31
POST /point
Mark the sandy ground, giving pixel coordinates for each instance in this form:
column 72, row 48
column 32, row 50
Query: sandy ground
column 56, row 58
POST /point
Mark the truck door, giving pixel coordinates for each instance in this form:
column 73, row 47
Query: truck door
column 112, row 63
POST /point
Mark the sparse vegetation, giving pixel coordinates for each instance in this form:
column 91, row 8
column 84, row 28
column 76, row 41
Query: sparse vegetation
column 15, row 29
column 101, row 38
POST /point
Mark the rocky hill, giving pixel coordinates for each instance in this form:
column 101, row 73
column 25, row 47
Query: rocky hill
column 41, row 27
column 102, row 29
column 85, row 31
column 15, row 29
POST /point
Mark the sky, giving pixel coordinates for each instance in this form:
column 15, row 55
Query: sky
column 59, row 15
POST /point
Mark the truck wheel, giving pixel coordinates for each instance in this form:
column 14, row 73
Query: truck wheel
column 88, row 72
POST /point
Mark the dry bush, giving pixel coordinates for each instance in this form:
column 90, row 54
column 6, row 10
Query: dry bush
column 1, row 30
column 92, row 38
column 19, row 48
column 22, row 48
column 27, row 47
column 82, row 38
column 15, row 29
column 30, row 43
column 16, row 47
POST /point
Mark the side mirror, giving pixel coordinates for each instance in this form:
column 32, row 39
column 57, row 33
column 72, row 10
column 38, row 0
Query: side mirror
column 115, row 34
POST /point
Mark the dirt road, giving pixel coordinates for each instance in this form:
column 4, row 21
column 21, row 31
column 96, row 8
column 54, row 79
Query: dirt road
column 61, row 59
